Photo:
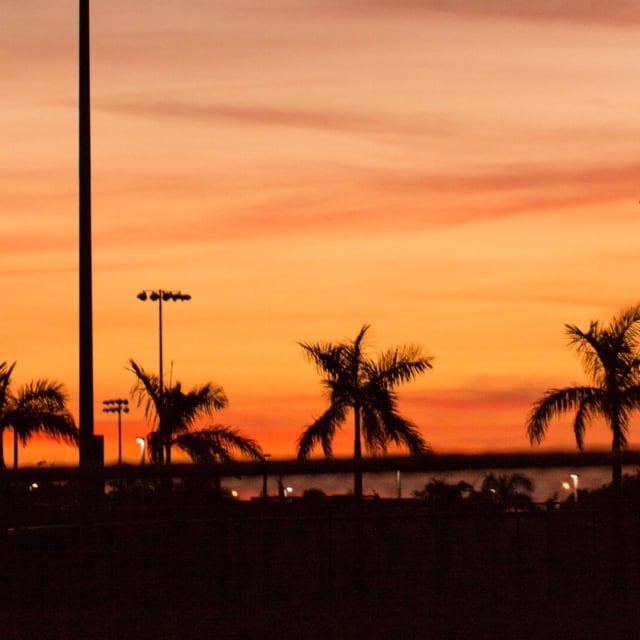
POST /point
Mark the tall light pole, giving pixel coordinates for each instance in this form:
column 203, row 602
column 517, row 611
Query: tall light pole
column 160, row 295
column 90, row 446
column 118, row 406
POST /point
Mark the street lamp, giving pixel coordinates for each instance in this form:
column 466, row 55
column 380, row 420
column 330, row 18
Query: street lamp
column 264, row 475
column 140, row 441
column 160, row 295
column 574, row 479
column 574, row 485
column 118, row 406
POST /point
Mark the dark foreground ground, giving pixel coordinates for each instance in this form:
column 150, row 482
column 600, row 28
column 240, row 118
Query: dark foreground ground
column 330, row 620
column 389, row 570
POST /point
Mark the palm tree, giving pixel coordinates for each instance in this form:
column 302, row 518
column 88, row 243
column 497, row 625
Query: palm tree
column 357, row 382
column 38, row 408
column 610, row 357
column 509, row 490
column 441, row 495
column 175, row 412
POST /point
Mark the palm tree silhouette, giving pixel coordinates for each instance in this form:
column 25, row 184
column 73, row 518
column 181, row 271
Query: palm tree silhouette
column 610, row 357
column 366, row 386
column 174, row 413
column 38, row 408
column 509, row 490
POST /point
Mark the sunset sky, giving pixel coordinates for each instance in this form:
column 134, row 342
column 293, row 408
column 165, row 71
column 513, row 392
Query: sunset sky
column 459, row 175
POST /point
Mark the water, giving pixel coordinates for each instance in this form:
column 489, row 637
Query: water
column 548, row 482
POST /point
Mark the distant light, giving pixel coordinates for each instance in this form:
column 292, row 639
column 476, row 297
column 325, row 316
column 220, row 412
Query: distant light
column 566, row 486
column 289, row 489
column 234, row 493
column 33, row 486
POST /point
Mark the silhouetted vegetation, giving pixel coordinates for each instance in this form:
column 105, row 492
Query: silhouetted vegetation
column 39, row 407
column 498, row 492
column 174, row 412
column 610, row 357
column 364, row 385
column 509, row 491
column 609, row 496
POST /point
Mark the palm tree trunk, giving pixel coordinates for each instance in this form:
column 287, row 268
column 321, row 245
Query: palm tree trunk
column 15, row 449
column 357, row 456
column 2, row 465
column 616, row 448
column 616, row 464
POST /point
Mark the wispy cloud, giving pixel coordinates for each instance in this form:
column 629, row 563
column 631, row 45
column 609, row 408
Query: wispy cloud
column 274, row 116
column 515, row 189
column 353, row 200
column 620, row 12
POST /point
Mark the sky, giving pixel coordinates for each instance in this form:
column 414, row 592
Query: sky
column 459, row 175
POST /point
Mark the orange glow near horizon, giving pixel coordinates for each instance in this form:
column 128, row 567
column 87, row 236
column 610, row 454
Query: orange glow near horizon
column 458, row 177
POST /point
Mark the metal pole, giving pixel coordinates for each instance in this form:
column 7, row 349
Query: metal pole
column 161, row 381
column 119, row 434
column 88, row 449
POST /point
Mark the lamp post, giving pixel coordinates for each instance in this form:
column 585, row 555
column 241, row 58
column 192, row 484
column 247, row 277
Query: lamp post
column 160, row 295
column 264, row 475
column 140, row 441
column 574, row 479
column 118, row 406
column 573, row 486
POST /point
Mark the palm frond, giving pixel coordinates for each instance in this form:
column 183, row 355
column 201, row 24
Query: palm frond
column 553, row 403
column 403, row 432
column 400, row 365
column 326, row 357
column 6, row 370
column 147, row 391
column 39, row 407
column 321, row 432
column 217, row 443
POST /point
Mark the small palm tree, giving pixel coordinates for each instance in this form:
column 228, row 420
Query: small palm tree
column 38, row 408
column 610, row 357
column 364, row 385
column 509, row 490
column 441, row 495
column 174, row 413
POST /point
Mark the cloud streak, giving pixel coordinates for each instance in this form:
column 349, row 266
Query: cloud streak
column 256, row 115
column 378, row 206
column 616, row 12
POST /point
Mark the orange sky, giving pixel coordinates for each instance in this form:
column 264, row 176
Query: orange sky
column 463, row 178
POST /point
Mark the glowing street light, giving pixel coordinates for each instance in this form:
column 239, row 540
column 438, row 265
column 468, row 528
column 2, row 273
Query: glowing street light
column 141, row 442
column 119, row 406
column 574, row 485
column 574, row 479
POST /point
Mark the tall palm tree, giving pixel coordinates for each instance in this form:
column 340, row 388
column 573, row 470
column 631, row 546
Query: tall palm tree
column 355, row 381
column 610, row 357
column 38, row 408
column 174, row 412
